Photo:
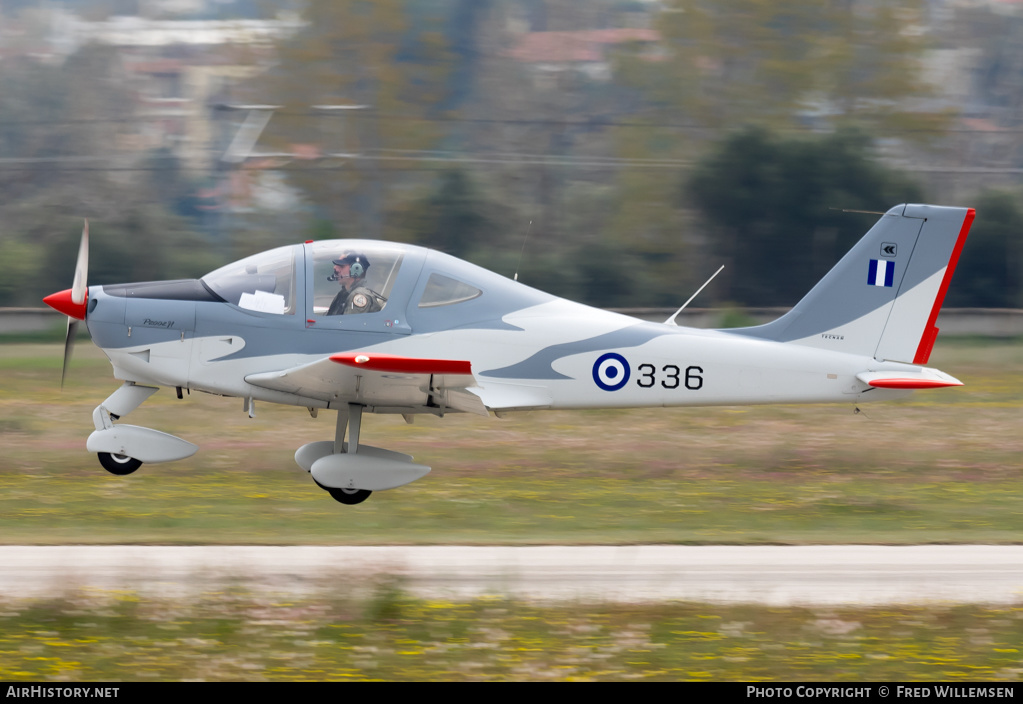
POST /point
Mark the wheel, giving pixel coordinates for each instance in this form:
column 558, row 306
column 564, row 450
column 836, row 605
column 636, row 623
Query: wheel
column 118, row 464
column 349, row 497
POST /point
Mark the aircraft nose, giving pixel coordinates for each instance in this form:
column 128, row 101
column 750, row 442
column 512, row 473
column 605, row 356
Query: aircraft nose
column 63, row 302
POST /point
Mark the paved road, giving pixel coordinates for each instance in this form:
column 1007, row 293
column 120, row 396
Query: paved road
column 776, row 575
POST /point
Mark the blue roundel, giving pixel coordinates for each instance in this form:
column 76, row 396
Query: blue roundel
column 611, row 371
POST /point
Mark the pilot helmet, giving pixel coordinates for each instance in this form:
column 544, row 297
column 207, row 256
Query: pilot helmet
column 357, row 262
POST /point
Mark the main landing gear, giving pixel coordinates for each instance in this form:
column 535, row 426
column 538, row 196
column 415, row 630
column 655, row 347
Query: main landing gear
column 350, row 472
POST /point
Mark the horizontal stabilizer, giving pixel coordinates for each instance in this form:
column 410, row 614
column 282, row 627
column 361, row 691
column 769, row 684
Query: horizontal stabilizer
column 922, row 379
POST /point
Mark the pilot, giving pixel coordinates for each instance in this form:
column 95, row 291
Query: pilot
column 354, row 297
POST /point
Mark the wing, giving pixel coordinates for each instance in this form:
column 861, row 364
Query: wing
column 382, row 381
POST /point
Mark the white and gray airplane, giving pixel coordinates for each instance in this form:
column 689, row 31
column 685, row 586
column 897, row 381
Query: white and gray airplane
column 368, row 326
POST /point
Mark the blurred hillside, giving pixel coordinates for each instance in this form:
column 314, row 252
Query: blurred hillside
column 632, row 145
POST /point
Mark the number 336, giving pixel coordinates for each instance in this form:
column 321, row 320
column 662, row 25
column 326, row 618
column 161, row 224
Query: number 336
column 671, row 376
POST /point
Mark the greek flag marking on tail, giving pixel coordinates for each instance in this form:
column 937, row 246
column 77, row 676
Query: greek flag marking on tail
column 881, row 273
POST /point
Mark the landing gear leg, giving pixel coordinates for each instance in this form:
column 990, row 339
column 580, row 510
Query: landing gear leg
column 355, row 427
column 340, row 428
column 349, row 418
column 120, row 403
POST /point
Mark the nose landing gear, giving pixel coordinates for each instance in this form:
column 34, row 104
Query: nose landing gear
column 123, row 448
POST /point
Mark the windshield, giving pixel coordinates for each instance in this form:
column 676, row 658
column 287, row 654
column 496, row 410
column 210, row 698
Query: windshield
column 264, row 282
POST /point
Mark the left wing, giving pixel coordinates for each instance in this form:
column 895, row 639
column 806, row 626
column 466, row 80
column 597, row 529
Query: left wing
column 382, row 381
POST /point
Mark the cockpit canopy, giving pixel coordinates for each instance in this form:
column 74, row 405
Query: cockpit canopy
column 267, row 282
column 329, row 281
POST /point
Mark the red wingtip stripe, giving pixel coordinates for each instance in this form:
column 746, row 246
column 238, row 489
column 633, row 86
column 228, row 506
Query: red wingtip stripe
column 402, row 365
column 912, row 383
column 923, row 351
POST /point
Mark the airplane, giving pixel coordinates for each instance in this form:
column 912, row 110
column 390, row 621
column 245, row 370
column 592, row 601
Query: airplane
column 359, row 326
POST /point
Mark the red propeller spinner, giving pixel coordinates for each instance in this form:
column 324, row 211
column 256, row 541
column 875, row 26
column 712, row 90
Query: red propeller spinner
column 63, row 302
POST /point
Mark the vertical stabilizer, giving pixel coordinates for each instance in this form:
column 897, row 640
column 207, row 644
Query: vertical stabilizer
column 882, row 299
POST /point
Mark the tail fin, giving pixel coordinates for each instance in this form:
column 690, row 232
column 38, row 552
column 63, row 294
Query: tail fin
column 882, row 299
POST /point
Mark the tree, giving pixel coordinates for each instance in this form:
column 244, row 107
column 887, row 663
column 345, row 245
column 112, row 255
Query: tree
column 781, row 64
column 453, row 218
column 998, row 39
column 49, row 117
column 784, row 62
column 359, row 52
column 51, row 114
column 773, row 208
column 990, row 269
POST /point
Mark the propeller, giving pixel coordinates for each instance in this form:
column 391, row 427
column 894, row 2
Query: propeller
column 73, row 302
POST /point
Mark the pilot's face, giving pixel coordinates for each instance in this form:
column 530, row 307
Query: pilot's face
column 343, row 273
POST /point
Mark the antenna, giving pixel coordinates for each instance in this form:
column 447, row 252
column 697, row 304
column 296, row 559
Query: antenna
column 671, row 320
column 863, row 212
column 519, row 262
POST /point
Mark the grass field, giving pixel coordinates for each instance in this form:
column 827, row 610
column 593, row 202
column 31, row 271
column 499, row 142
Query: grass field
column 943, row 466
column 237, row 636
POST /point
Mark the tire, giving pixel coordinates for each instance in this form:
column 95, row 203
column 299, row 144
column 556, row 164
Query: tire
column 349, row 497
column 121, row 465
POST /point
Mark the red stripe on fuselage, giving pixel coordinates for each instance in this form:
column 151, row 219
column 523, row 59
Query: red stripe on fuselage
column 923, row 351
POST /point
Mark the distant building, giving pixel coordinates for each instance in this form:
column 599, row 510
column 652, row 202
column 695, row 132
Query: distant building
column 584, row 52
column 178, row 69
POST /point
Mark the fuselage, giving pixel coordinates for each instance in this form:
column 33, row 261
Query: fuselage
column 527, row 349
